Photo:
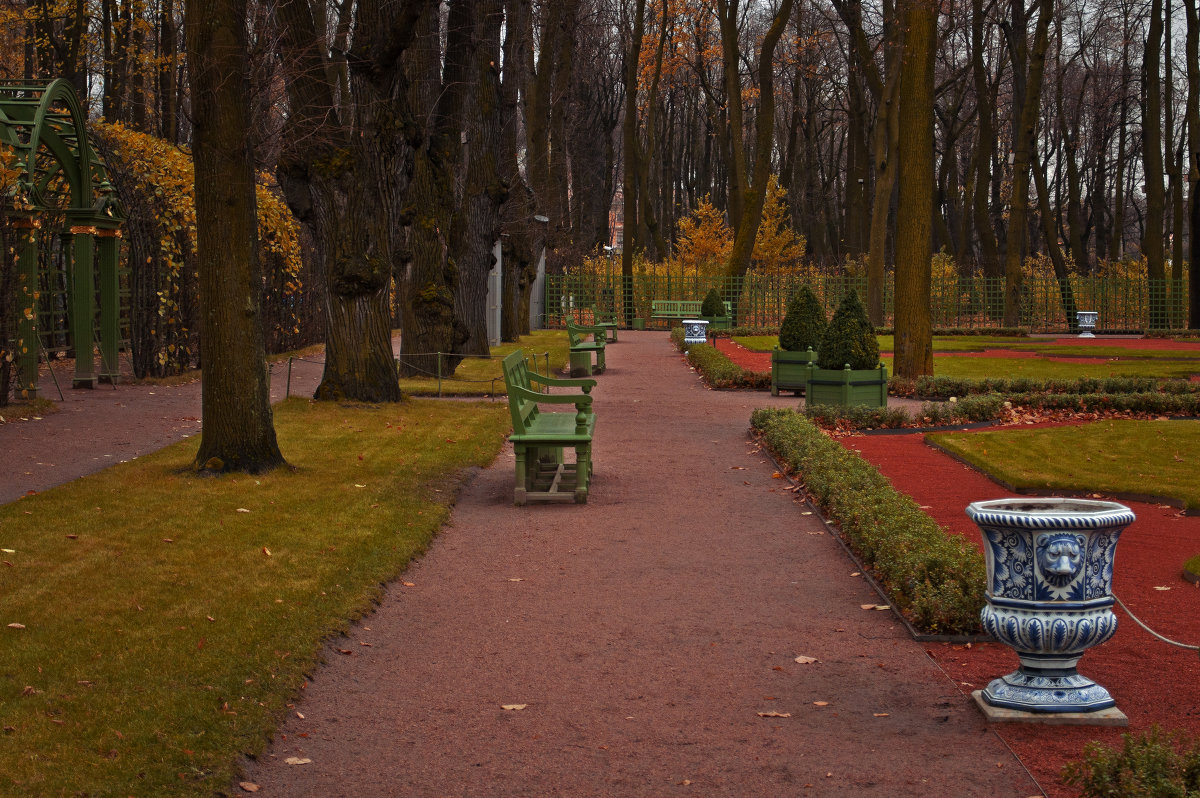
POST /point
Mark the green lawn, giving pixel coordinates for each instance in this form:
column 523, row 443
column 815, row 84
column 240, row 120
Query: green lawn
column 1042, row 369
column 155, row 623
column 1148, row 458
column 481, row 377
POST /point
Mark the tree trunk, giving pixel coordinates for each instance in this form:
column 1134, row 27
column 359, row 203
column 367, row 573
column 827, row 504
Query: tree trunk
column 629, row 155
column 914, row 330
column 1192, row 55
column 751, row 189
column 344, row 180
column 238, row 430
column 1152, row 159
column 477, row 222
column 1023, row 150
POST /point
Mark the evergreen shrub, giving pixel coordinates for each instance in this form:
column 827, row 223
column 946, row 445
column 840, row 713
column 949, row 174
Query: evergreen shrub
column 712, row 305
column 849, row 338
column 804, row 322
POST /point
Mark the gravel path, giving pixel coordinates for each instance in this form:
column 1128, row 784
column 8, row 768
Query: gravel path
column 646, row 642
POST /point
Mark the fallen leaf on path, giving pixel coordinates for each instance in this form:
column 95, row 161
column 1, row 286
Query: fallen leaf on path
column 16, row 626
column 856, row 573
column 410, row 584
column 881, row 714
column 513, row 707
column 774, row 714
column 248, row 786
column 821, row 703
column 866, row 606
column 9, row 551
column 1161, row 587
column 266, row 551
column 297, row 760
column 806, row 660
column 777, row 475
column 516, row 579
column 242, row 510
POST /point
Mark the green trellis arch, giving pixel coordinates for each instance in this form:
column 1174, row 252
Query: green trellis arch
column 42, row 121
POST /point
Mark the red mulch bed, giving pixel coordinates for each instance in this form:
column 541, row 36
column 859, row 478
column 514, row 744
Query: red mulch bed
column 1152, row 682
column 761, row 361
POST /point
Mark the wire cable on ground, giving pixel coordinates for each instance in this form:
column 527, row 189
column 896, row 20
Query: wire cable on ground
column 1138, row 621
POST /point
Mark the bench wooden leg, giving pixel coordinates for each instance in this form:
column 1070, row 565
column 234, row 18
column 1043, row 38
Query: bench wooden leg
column 581, row 364
column 583, row 471
column 522, row 454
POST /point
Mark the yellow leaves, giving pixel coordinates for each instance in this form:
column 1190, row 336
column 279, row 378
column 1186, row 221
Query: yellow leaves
column 704, row 240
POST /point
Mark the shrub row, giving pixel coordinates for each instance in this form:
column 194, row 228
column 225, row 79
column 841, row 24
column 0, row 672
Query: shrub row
column 992, row 407
column 717, row 369
column 944, row 387
column 1153, row 764
column 966, row 410
column 934, row 578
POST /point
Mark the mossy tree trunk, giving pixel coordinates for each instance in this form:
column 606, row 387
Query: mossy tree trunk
column 914, row 220
column 345, row 179
column 238, row 429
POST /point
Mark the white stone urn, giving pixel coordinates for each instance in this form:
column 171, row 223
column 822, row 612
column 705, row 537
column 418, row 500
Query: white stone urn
column 695, row 331
column 1086, row 321
column 1049, row 595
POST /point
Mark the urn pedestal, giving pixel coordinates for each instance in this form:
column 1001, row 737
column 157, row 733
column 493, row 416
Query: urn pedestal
column 1049, row 596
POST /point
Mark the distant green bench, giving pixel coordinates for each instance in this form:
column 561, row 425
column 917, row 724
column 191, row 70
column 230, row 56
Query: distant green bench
column 680, row 309
column 539, row 439
column 582, row 350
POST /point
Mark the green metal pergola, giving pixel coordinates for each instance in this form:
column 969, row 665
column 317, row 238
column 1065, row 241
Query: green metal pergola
column 62, row 175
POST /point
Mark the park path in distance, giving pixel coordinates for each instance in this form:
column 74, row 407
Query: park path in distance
column 649, row 638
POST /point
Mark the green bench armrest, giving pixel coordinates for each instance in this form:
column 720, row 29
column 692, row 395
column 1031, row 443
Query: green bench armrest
column 561, row 382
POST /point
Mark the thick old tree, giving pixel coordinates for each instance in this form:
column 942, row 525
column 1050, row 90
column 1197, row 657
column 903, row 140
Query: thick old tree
column 238, row 430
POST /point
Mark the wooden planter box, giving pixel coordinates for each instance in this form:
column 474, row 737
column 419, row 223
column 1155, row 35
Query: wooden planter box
column 847, row 387
column 718, row 322
column 789, row 370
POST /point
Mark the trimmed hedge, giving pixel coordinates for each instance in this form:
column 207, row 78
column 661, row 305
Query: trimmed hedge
column 943, row 387
column 970, row 409
column 937, row 580
column 717, row 369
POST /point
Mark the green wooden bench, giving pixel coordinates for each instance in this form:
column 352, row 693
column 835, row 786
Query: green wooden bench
column 680, row 309
column 540, row 439
column 581, row 350
column 608, row 321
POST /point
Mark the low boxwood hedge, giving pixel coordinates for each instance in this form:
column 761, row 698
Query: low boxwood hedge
column 717, row 369
column 935, row 579
column 944, row 387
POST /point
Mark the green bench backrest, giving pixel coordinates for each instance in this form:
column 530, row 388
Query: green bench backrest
column 682, row 306
column 516, row 372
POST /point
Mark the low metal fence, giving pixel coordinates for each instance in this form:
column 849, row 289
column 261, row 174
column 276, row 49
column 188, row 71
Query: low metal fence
column 1123, row 304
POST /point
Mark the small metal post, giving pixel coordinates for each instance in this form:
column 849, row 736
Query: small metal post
column 439, row 374
column 287, row 392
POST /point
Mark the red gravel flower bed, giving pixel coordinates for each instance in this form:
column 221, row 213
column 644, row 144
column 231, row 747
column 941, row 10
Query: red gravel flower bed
column 1152, row 682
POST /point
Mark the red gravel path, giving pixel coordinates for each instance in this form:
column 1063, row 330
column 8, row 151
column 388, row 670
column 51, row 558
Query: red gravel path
column 644, row 635
column 1151, row 681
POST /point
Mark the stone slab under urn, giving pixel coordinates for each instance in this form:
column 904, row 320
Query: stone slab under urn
column 1049, row 597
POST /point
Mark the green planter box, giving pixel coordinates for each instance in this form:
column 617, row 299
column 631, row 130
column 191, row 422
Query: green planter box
column 847, row 387
column 789, row 369
column 718, row 322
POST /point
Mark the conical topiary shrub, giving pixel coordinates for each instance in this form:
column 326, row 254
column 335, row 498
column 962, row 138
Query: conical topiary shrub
column 849, row 338
column 803, row 323
column 712, row 305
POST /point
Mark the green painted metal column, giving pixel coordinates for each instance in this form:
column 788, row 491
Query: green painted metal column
column 27, row 301
column 82, row 303
column 108, row 243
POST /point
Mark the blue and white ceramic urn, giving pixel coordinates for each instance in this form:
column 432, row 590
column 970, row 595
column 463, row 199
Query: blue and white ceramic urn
column 1049, row 595
column 695, row 331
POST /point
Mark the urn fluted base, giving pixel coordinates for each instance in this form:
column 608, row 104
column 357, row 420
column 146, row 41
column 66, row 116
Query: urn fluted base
column 1037, row 690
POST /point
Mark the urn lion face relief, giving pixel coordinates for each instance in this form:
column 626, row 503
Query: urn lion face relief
column 1049, row 595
